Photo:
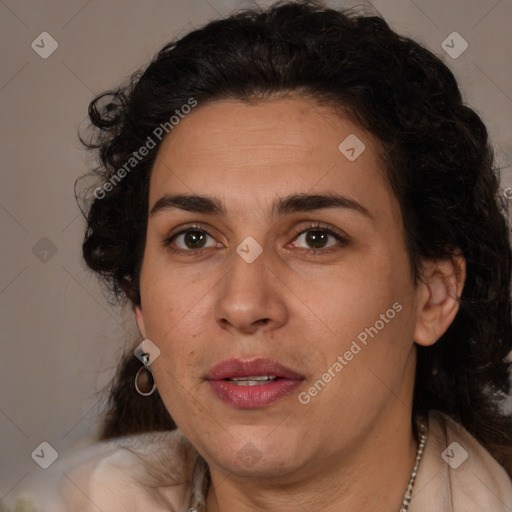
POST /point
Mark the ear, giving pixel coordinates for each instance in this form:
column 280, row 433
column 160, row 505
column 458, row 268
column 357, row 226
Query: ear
column 438, row 298
column 139, row 318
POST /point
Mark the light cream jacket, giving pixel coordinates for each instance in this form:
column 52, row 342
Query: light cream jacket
column 157, row 472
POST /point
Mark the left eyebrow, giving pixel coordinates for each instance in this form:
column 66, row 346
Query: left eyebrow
column 283, row 206
column 312, row 202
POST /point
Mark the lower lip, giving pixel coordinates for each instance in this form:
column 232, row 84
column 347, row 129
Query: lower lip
column 253, row 397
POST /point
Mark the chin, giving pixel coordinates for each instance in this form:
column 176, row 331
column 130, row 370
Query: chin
column 253, row 452
column 264, row 465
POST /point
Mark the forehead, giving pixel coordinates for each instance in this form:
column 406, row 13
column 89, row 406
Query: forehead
column 240, row 151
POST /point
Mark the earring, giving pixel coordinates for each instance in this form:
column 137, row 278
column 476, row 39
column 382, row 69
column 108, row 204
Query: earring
column 144, row 381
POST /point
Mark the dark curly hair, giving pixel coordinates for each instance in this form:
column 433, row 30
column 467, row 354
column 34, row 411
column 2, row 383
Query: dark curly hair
column 436, row 156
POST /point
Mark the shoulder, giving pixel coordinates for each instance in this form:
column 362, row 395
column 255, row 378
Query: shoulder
column 457, row 473
column 151, row 471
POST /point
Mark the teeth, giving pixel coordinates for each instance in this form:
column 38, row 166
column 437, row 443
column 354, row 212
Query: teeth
column 253, row 381
column 259, row 377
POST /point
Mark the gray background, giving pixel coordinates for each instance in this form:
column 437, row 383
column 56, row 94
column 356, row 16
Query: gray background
column 60, row 338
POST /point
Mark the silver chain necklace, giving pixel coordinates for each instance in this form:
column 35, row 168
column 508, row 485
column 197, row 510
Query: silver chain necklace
column 419, row 453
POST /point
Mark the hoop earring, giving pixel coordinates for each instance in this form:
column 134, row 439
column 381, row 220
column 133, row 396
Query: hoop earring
column 144, row 382
column 148, row 384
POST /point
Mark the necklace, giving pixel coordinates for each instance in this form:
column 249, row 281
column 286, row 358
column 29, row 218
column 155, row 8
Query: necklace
column 419, row 453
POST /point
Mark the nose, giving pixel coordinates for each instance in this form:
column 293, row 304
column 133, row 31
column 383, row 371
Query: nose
column 250, row 297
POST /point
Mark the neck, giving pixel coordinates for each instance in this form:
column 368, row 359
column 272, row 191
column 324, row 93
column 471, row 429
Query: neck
column 372, row 478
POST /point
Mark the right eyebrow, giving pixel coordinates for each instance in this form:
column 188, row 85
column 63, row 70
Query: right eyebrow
column 190, row 203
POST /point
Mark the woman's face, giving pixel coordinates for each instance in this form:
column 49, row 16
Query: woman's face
column 283, row 259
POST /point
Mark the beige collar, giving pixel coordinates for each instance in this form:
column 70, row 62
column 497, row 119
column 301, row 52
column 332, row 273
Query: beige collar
column 457, row 474
column 134, row 474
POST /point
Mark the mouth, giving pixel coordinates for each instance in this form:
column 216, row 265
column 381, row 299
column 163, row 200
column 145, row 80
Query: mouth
column 252, row 384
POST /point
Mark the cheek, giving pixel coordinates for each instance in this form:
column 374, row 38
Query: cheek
column 168, row 299
column 369, row 315
column 354, row 298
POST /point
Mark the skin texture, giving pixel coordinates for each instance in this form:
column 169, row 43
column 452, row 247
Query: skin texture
column 351, row 447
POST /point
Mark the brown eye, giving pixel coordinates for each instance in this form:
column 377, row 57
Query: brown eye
column 317, row 239
column 194, row 239
column 191, row 240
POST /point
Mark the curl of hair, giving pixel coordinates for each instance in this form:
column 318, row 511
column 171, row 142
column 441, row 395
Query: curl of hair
column 435, row 154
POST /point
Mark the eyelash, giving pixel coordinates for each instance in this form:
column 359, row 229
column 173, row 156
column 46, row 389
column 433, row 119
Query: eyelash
column 338, row 235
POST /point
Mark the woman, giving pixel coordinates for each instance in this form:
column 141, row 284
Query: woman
column 305, row 218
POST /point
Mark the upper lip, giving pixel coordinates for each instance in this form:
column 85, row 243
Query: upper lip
column 235, row 368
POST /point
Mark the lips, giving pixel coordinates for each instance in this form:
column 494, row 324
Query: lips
column 252, row 384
